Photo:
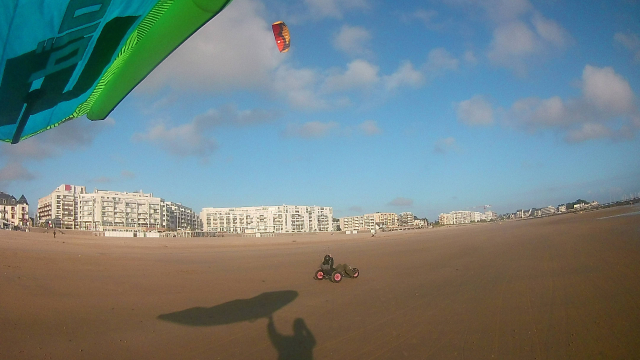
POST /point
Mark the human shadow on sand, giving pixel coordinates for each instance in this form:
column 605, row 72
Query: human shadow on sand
column 261, row 306
column 299, row 346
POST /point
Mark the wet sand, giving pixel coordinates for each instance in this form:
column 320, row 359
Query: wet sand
column 564, row 287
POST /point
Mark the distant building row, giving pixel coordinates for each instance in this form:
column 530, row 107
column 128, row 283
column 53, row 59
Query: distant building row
column 380, row 221
column 13, row 213
column 466, row 217
column 268, row 219
column 71, row 207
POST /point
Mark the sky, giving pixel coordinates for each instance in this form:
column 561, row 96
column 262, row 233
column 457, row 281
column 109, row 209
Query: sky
column 422, row 106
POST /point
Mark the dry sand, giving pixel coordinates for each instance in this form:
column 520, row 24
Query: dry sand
column 556, row 288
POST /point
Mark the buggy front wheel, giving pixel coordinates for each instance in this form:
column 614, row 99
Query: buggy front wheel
column 319, row 275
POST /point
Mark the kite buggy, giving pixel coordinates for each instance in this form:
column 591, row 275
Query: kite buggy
column 335, row 274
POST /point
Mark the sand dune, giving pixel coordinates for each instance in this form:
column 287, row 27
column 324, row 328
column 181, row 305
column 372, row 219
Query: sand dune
column 555, row 288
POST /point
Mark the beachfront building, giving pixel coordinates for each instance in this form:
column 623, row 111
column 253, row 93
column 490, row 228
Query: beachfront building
column 105, row 210
column 179, row 217
column 268, row 219
column 385, row 220
column 490, row 215
column 419, row 223
column 476, row 216
column 60, row 208
column 406, row 219
column 351, row 223
column 13, row 213
column 549, row 210
column 446, row 219
column 461, row 217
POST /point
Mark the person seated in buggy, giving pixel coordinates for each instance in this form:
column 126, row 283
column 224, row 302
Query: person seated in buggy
column 327, row 270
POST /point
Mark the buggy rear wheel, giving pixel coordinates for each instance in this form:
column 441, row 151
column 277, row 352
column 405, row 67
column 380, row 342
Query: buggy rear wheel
column 336, row 276
column 319, row 275
column 356, row 273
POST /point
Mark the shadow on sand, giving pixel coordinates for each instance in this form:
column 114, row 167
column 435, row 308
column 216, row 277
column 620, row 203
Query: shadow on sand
column 261, row 306
column 296, row 347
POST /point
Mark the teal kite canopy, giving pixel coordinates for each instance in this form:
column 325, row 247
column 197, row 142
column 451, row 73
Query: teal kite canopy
column 63, row 59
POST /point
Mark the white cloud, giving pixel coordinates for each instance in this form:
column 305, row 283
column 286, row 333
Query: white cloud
column 588, row 131
column 370, row 127
column 233, row 51
column 606, row 109
column 194, row 138
column 127, row 174
column 446, row 145
column 405, row 75
column 72, row 135
column 299, row 86
column 353, row 40
column 14, row 171
column 427, row 17
column 359, row 74
column 631, row 41
column 607, row 90
column 550, row 31
column 511, row 43
column 534, row 113
column 334, row 8
column 440, row 60
column 184, row 140
column 475, row 111
column 312, row 129
column 401, row 201
column 470, row 57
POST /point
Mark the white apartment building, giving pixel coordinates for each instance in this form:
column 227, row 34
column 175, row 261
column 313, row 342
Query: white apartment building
column 476, row 216
column 461, row 217
column 179, row 217
column 268, row 219
column 549, row 210
column 406, row 219
column 385, row 220
column 105, row 210
column 61, row 205
column 351, row 223
column 490, row 215
column 446, row 219
column 13, row 212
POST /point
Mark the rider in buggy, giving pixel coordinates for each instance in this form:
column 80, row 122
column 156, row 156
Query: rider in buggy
column 328, row 271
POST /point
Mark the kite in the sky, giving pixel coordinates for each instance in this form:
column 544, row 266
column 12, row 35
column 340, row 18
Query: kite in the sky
column 62, row 59
column 281, row 33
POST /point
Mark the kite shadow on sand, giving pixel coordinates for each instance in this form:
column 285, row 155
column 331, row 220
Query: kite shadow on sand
column 261, row 306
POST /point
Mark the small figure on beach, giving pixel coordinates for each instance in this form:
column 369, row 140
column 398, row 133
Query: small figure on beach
column 54, row 233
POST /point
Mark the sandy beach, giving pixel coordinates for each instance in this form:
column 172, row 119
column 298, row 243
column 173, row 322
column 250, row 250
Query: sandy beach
column 564, row 287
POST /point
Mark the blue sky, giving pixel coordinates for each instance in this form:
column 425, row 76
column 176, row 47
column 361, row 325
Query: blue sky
column 422, row 106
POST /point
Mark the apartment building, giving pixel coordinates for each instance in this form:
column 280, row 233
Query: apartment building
column 549, row 210
column 351, row 223
column 406, row 219
column 385, row 220
column 13, row 212
column 179, row 217
column 105, row 210
column 490, row 215
column 61, row 204
column 268, row 219
column 446, row 219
